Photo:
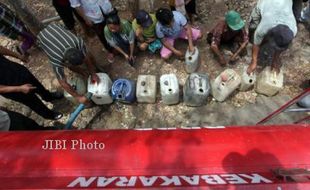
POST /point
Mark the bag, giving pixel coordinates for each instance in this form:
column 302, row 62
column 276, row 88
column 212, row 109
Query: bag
column 154, row 46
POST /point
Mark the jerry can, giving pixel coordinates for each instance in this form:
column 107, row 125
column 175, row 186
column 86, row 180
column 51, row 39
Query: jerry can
column 191, row 61
column 247, row 81
column 225, row 84
column 146, row 89
column 169, row 89
column 124, row 90
column 196, row 89
column 269, row 82
column 100, row 91
column 78, row 84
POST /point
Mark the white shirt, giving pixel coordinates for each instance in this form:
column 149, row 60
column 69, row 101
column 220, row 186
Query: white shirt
column 93, row 8
column 175, row 30
column 269, row 13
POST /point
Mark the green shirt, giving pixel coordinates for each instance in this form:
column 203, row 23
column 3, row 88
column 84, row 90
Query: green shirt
column 147, row 32
column 126, row 33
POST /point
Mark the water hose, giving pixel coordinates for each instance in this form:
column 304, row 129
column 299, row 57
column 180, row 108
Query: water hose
column 76, row 113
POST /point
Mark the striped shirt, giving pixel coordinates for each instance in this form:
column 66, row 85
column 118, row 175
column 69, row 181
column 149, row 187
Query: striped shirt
column 10, row 25
column 55, row 40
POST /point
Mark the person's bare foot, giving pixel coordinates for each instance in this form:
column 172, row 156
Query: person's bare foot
column 110, row 57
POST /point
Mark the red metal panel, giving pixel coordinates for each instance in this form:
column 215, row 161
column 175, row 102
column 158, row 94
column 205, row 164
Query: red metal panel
column 221, row 158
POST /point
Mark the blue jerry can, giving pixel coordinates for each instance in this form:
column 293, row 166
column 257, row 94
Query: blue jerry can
column 124, row 90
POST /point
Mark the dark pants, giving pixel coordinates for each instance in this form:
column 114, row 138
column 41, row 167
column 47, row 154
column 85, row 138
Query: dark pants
column 99, row 29
column 21, row 122
column 67, row 13
column 190, row 7
column 31, row 100
column 297, row 8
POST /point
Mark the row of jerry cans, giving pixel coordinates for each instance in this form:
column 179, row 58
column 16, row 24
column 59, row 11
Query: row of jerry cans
column 196, row 89
column 268, row 83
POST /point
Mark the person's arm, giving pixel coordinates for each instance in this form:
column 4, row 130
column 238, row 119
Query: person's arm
column 76, row 4
column 132, row 48
column 26, row 88
column 218, row 53
column 131, row 38
column 89, row 61
column 80, row 98
column 171, row 48
column 190, row 37
column 80, row 11
column 80, row 71
column 5, row 51
column 255, row 51
column 139, row 34
column 234, row 56
column 243, row 45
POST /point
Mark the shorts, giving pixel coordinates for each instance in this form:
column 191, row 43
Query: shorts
column 165, row 52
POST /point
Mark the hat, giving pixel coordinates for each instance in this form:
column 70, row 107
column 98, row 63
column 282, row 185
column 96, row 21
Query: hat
column 234, row 21
column 144, row 19
column 281, row 36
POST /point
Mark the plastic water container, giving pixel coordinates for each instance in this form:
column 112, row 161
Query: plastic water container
column 78, row 84
column 269, row 82
column 225, row 84
column 169, row 89
column 124, row 90
column 146, row 89
column 247, row 81
column 100, row 91
column 191, row 60
column 196, row 89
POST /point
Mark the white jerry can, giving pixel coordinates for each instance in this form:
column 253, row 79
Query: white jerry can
column 191, row 60
column 78, row 84
column 196, row 89
column 146, row 89
column 225, row 84
column 100, row 91
column 247, row 81
column 269, row 82
column 169, row 89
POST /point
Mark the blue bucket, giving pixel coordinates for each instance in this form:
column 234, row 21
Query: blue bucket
column 124, row 90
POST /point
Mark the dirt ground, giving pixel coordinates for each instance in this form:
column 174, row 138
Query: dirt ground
column 121, row 116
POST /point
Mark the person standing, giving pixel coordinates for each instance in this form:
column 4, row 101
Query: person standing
column 18, row 84
column 12, row 27
column 94, row 12
column 67, row 13
column 13, row 121
column 186, row 7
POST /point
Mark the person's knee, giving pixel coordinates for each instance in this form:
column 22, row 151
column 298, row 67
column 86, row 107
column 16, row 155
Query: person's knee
column 214, row 46
column 200, row 35
column 166, row 57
